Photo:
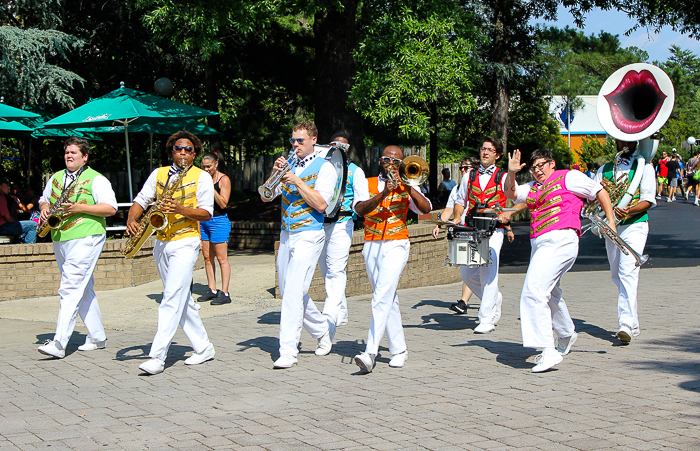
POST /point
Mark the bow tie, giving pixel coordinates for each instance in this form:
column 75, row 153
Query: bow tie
column 487, row 171
column 174, row 169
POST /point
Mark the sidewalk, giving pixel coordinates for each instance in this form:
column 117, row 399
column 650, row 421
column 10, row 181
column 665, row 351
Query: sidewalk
column 458, row 391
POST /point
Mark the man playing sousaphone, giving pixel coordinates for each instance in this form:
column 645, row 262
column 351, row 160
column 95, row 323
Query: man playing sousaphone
column 177, row 246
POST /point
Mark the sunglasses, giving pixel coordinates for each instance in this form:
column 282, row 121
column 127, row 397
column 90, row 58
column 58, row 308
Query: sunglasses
column 465, row 168
column 299, row 140
column 187, row 149
column 389, row 160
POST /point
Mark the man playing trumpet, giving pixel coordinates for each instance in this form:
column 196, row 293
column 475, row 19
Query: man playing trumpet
column 386, row 253
column 77, row 244
column 306, row 190
column 177, row 247
column 633, row 229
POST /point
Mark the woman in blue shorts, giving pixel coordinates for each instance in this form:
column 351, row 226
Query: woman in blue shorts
column 215, row 234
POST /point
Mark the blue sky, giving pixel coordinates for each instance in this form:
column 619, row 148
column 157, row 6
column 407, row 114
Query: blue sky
column 615, row 22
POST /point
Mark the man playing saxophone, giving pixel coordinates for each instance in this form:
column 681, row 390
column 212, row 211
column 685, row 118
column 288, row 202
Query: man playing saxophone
column 633, row 229
column 177, row 247
column 78, row 240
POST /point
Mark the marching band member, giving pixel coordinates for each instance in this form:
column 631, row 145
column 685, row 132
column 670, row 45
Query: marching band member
column 306, row 191
column 77, row 245
column 176, row 248
column 555, row 200
column 334, row 257
column 633, row 230
column 486, row 188
column 386, row 253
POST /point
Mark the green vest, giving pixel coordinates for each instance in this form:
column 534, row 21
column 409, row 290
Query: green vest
column 77, row 225
column 608, row 174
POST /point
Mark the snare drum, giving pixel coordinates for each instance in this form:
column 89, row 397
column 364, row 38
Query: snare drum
column 469, row 249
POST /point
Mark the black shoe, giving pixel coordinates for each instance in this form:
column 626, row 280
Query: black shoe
column 208, row 296
column 459, row 308
column 221, row 299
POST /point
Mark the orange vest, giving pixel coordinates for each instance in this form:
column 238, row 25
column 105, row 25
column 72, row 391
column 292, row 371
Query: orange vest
column 388, row 220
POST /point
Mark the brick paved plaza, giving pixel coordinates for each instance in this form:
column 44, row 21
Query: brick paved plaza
column 458, row 391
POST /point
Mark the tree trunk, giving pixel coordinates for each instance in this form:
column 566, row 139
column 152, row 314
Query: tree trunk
column 433, row 179
column 335, row 37
column 500, row 88
column 212, row 103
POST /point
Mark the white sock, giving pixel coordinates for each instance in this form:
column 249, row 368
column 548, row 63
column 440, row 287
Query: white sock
column 549, row 351
column 213, row 291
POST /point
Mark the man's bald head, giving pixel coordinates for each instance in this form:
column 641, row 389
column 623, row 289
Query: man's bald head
column 393, row 152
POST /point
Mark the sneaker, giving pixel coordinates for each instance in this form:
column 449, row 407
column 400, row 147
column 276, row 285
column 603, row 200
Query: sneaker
column 459, row 307
column 658, row 196
column 208, row 296
column 564, row 344
column 673, row 199
column 92, row 345
column 365, row 361
column 343, row 321
column 152, row 366
column 398, row 360
column 668, row 199
column 484, row 328
column 196, row 359
column 545, row 362
column 52, row 348
column 221, row 298
column 326, row 342
column 696, row 202
column 285, row 361
column 625, row 334
column 686, row 195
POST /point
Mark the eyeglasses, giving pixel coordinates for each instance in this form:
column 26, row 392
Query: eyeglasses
column 299, row 140
column 539, row 167
column 187, row 149
column 464, row 168
column 389, row 160
column 487, row 149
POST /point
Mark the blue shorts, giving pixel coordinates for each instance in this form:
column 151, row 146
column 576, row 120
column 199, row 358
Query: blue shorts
column 216, row 230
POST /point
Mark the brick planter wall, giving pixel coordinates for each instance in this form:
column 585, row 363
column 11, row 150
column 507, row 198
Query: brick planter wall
column 30, row 270
column 425, row 267
column 253, row 235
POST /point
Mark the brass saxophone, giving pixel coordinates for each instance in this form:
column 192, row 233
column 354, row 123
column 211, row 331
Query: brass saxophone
column 153, row 219
column 55, row 218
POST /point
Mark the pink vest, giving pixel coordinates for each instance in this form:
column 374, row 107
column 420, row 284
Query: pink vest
column 553, row 207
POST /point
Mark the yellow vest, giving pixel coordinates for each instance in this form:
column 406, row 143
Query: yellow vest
column 179, row 226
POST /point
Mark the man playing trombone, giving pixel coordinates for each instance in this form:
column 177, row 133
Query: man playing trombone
column 306, row 184
column 633, row 229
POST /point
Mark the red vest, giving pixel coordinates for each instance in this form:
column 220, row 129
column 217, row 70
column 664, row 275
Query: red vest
column 491, row 195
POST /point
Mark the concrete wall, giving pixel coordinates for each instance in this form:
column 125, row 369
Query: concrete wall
column 425, row 267
column 30, row 270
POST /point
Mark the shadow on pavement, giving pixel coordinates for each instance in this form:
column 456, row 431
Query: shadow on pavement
column 270, row 318
column 690, row 344
column 596, row 331
column 176, row 353
column 507, row 353
column 268, row 345
column 444, row 321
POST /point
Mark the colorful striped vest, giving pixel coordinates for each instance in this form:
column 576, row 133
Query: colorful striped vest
column 179, row 226
column 78, row 225
column 349, row 194
column 553, row 207
column 388, row 220
column 608, row 170
column 491, row 195
column 297, row 215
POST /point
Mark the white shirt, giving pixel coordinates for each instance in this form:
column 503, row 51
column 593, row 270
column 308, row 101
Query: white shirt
column 381, row 182
column 360, row 188
column 647, row 187
column 483, row 179
column 102, row 191
column 204, row 194
column 451, row 202
column 576, row 181
column 325, row 182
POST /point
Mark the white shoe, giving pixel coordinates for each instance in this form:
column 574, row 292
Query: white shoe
column 625, row 333
column 484, row 328
column 153, row 366
column 668, row 199
column 545, row 362
column 52, row 348
column 365, row 361
column 285, row 361
column 343, row 321
column 91, row 346
column 398, row 360
column 499, row 303
column 207, row 354
column 696, row 203
column 564, row 344
column 326, row 342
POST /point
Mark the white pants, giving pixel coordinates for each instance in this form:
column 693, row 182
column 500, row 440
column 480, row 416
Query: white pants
column 624, row 272
column 333, row 261
column 76, row 261
column 483, row 281
column 296, row 262
column 541, row 304
column 175, row 262
column 385, row 261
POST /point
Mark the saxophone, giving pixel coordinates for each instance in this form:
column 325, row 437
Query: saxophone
column 54, row 219
column 153, row 219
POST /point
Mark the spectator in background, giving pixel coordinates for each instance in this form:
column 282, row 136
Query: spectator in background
column 9, row 225
column 445, row 186
column 29, row 202
column 674, row 172
column 691, row 168
column 591, row 171
column 662, row 174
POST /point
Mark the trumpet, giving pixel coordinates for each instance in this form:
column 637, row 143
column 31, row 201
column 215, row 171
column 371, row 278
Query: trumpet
column 267, row 189
column 605, row 229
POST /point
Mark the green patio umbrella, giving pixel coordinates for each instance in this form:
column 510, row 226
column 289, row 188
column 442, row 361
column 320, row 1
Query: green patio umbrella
column 128, row 108
column 10, row 112
column 14, row 129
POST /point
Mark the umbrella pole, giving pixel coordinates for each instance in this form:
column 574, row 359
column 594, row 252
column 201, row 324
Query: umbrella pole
column 128, row 160
column 29, row 162
column 150, row 155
